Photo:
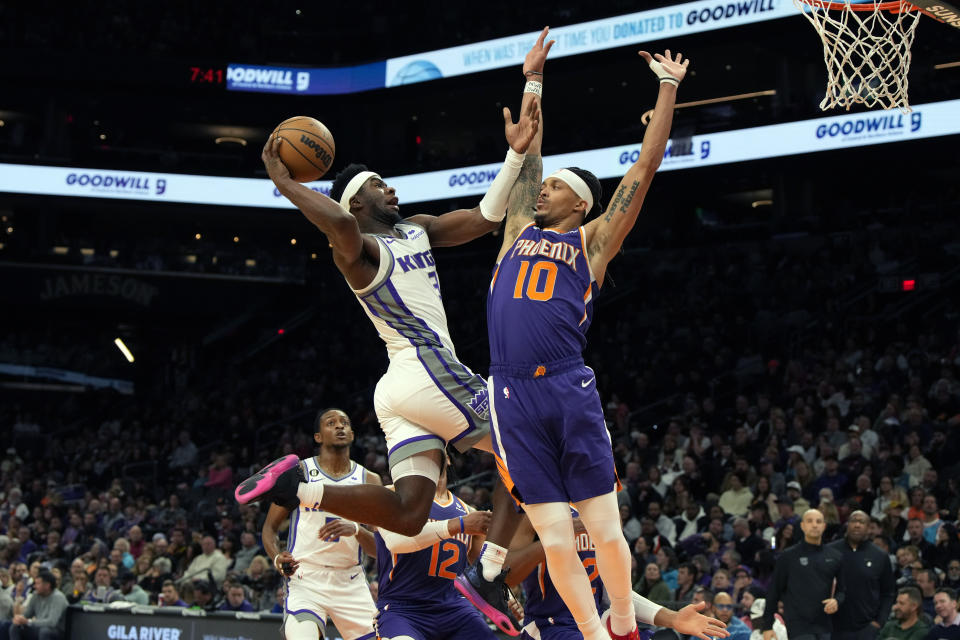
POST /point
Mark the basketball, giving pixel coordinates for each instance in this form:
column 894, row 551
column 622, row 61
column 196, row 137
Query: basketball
column 307, row 149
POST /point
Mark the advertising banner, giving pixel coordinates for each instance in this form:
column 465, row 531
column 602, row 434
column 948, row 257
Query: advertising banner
column 826, row 133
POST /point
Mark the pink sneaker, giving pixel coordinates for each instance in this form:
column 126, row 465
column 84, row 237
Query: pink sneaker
column 276, row 482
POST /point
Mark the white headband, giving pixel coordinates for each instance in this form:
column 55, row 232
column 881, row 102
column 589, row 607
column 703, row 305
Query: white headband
column 576, row 183
column 353, row 186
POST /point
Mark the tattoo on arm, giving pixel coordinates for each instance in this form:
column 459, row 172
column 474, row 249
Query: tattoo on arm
column 523, row 194
column 621, row 201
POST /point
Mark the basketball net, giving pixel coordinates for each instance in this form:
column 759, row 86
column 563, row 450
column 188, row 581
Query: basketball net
column 866, row 50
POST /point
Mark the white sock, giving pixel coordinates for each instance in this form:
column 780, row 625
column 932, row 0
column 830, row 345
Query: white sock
column 591, row 629
column 622, row 620
column 310, row 494
column 492, row 557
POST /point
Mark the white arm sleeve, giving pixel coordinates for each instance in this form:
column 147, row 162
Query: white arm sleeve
column 493, row 206
column 644, row 610
column 431, row 533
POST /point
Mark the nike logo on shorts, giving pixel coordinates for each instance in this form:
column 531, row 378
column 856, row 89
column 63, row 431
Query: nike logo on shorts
column 354, row 576
column 586, row 383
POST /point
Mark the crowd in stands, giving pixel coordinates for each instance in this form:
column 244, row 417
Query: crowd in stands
column 742, row 387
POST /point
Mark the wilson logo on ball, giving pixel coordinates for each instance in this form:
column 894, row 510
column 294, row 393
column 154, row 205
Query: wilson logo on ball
column 319, row 151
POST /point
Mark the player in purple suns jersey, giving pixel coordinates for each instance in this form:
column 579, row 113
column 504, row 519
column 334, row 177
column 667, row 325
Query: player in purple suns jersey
column 417, row 599
column 427, row 398
column 550, row 439
column 546, row 616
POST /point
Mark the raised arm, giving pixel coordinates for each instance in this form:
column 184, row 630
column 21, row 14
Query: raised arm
column 356, row 255
column 463, row 225
column 605, row 234
column 522, row 204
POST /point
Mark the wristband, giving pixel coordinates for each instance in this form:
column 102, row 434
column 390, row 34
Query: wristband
column 357, row 527
column 275, row 565
column 461, row 524
column 534, row 87
column 663, row 74
column 527, row 74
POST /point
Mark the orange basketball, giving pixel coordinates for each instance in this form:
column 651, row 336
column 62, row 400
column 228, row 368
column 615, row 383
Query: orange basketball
column 307, row 149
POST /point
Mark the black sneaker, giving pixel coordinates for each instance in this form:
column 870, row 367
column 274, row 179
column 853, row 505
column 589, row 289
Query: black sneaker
column 492, row 598
column 277, row 482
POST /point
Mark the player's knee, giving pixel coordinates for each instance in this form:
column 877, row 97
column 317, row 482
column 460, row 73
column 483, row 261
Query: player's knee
column 609, row 535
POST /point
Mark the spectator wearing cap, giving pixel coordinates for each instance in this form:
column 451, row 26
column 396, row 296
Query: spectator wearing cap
column 756, row 614
column 906, row 623
column 787, row 515
column 44, row 616
column 723, row 607
column 867, row 606
column 796, row 453
column 130, row 590
column 204, row 596
column 862, row 448
column 947, row 621
column 795, row 494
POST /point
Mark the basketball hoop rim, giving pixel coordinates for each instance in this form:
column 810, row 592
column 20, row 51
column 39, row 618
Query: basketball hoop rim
column 894, row 7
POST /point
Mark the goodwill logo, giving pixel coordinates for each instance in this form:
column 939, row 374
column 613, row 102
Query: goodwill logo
column 472, row 178
column 118, row 183
column 267, row 79
column 878, row 125
column 678, row 151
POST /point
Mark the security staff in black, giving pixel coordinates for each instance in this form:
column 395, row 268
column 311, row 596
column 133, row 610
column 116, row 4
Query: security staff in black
column 871, row 588
column 803, row 579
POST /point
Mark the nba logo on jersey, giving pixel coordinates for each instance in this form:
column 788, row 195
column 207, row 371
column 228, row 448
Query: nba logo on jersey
column 480, row 404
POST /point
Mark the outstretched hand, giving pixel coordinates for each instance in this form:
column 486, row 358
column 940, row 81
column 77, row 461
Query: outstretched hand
column 537, row 55
column 691, row 622
column 667, row 66
column 520, row 134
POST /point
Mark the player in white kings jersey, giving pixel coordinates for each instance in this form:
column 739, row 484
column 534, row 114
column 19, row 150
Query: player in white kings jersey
column 324, row 578
column 427, row 398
